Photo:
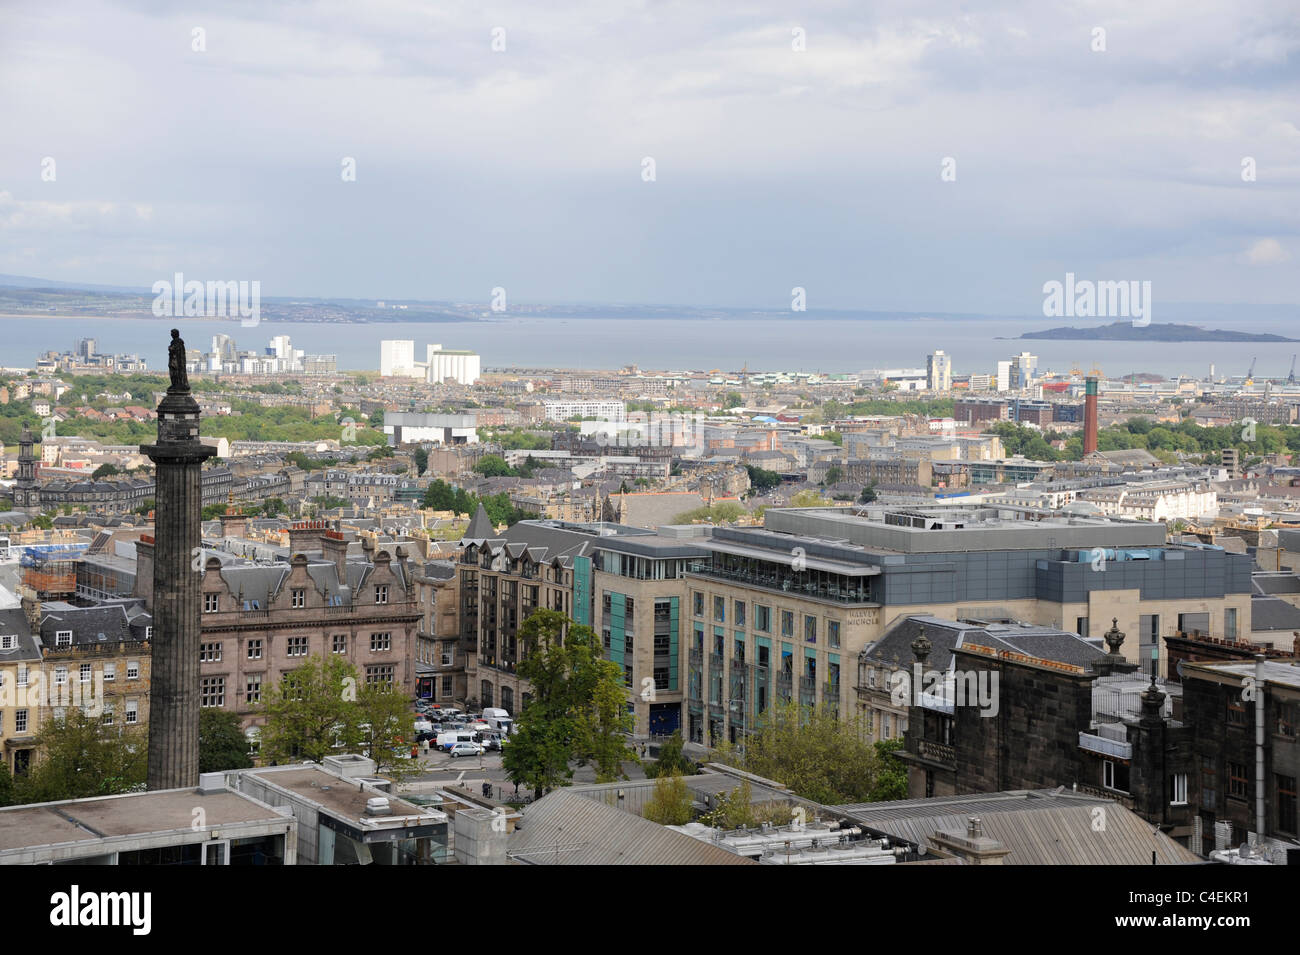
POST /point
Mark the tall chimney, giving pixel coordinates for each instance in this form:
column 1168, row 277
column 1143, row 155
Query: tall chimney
column 1090, row 416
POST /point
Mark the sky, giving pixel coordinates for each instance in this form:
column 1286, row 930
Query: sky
column 793, row 145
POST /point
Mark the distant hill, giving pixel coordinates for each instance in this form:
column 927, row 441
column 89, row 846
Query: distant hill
column 1165, row 332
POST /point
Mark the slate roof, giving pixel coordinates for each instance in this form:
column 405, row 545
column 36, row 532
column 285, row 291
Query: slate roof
column 1040, row 827
column 117, row 621
column 14, row 621
column 564, row 828
column 1273, row 613
column 480, row 526
column 1047, row 643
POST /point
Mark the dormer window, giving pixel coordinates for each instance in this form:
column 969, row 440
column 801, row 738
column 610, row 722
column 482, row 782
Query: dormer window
column 63, row 638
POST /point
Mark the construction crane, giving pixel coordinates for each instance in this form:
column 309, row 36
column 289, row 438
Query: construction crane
column 1250, row 375
column 1290, row 379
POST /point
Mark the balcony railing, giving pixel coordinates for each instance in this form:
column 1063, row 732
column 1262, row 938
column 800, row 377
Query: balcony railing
column 1106, row 747
column 939, row 751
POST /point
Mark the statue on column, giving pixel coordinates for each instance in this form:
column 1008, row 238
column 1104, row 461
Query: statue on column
column 176, row 363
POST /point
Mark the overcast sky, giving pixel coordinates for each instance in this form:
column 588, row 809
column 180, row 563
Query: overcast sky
column 774, row 167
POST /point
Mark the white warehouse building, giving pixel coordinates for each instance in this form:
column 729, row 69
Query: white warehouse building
column 397, row 360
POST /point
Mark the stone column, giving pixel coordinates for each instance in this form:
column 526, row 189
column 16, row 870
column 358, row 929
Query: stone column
column 174, row 691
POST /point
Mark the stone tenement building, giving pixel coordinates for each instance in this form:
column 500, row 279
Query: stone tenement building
column 98, row 658
column 260, row 622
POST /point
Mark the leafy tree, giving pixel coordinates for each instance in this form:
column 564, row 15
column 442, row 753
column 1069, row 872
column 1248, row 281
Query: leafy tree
column 421, row 459
column 724, row 512
column 868, row 494
column 891, row 783
column 43, row 521
column 671, row 759
column 440, row 496
column 273, row 506
column 8, row 793
column 493, row 465
column 733, row 399
column 761, row 479
column 671, row 803
column 835, row 437
column 81, row 757
column 146, row 507
column 309, row 711
column 732, row 810
column 105, row 470
column 222, row 744
column 834, row 474
column 812, row 751
column 808, row 498
column 577, row 711
column 384, row 730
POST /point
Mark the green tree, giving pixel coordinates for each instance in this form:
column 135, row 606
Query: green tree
column 105, row 470
column 724, row 512
column 733, row 399
column 834, row 474
column 808, row 498
column 868, row 494
column 732, row 810
column 310, row 711
column 578, row 709
column 671, row 759
column 273, row 506
column 43, row 521
column 81, row 757
column 421, row 459
column 384, row 729
column 812, row 751
column 891, row 781
column 761, row 479
column 440, row 496
column 671, row 803
column 493, row 465
column 8, row 793
column 222, row 744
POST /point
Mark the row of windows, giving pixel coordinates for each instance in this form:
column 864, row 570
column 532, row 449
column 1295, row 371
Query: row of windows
column 297, row 598
column 295, row 646
column 85, row 672
column 212, row 689
column 763, row 619
column 62, row 638
column 21, row 721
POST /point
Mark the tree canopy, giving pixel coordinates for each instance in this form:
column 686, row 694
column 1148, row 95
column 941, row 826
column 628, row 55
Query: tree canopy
column 577, row 711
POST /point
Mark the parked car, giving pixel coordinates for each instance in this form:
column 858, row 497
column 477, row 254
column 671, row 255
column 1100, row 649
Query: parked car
column 466, row 749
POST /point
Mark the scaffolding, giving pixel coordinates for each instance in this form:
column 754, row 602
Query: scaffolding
column 50, row 570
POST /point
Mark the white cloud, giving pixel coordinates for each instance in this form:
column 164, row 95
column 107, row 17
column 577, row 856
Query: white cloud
column 1265, row 252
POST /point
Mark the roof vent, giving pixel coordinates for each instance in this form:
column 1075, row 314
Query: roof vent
column 377, row 806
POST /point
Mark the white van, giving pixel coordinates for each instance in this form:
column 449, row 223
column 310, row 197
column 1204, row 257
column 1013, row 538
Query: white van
column 447, row 740
column 498, row 719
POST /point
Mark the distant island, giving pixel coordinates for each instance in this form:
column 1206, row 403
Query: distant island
column 1166, row 332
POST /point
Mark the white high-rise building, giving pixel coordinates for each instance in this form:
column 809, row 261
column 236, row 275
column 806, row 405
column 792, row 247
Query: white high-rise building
column 1003, row 381
column 397, row 359
column 938, row 372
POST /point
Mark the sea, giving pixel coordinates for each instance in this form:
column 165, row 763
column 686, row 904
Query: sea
column 975, row 344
